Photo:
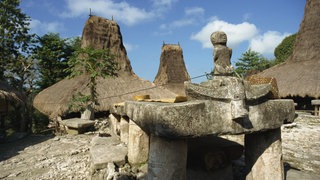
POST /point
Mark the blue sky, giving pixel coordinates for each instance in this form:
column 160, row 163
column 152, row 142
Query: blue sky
column 146, row 24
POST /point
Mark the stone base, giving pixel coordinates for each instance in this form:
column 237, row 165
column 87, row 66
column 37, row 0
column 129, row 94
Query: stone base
column 167, row 159
column 77, row 125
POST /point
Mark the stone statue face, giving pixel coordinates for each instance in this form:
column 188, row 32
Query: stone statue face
column 218, row 37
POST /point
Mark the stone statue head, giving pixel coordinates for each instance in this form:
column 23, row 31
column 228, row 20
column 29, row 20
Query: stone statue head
column 218, row 37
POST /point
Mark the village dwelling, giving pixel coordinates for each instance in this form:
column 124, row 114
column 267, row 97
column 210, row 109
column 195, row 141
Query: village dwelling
column 11, row 102
column 298, row 77
column 99, row 33
column 172, row 71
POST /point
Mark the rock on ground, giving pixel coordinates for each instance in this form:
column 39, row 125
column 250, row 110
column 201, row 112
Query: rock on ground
column 46, row 157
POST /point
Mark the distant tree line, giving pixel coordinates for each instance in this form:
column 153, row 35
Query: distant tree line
column 252, row 62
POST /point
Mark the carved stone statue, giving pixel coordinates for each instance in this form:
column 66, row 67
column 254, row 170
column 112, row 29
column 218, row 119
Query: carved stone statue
column 222, row 54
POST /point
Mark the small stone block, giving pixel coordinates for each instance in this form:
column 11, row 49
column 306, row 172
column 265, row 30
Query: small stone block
column 77, row 123
column 315, row 102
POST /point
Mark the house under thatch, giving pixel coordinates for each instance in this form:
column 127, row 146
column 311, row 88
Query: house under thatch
column 10, row 100
column 299, row 76
column 99, row 33
column 172, row 71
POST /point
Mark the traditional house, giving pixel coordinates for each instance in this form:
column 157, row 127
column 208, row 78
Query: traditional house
column 172, row 71
column 10, row 101
column 99, row 33
column 299, row 76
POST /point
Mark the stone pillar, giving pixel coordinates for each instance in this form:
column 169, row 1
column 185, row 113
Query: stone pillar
column 263, row 155
column 138, row 144
column 115, row 123
column 167, row 159
column 124, row 129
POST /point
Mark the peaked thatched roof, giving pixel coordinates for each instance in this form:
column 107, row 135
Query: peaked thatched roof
column 300, row 74
column 172, row 71
column 100, row 33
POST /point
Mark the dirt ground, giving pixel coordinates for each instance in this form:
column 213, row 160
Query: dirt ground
column 46, row 157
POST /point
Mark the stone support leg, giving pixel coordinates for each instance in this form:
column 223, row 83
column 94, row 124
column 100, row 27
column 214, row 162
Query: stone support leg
column 138, row 144
column 167, row 159
column 264, row 155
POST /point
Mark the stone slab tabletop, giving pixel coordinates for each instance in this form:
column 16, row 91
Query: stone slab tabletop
column 77, row 123
column 206, row 117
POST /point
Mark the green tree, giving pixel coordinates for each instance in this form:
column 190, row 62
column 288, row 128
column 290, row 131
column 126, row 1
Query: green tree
column 15, row 39
column 251, row 61
column 285, row 48
column 94, row 63
column 52, row 54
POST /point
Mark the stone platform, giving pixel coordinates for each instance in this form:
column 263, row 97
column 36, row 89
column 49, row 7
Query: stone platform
column 169, row 125
column 204, row 117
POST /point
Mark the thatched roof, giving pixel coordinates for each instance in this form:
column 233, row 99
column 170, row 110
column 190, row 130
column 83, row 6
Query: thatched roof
column 54, row 100
column 105, row 34
column 101, row 33
column 172, row 71
column 9, row 96
column 300, row 74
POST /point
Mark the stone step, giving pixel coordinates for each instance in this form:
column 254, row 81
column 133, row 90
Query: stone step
column 106, row 150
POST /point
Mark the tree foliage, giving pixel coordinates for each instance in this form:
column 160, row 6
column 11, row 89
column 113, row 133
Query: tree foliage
column 52, row 54
column 15, row 40
column 285, row 48
column 94, row 63
column 252, row 61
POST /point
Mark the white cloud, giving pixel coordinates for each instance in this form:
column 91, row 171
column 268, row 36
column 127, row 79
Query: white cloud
column 39, row 27
column 192, row 15
column 121, row 11
column 266, row 43
column 194, row 11
column 236, row 33
column 160, row 4
column 177, row 24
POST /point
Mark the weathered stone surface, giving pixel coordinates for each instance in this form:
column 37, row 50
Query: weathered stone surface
column 204, row 117
column 301, row 143
column 115, row 123
column 222, row 54
column 124, row 130
column 138, row 144
column 88, row 113
column 167, row 159
column 263, row 155
column 222, row 88
column 77, row 123
column 106, row 150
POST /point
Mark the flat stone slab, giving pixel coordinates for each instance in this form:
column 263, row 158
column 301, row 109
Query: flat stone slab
column 106, row 150
column 205, row 117
column 77, row 123
column 315, row 102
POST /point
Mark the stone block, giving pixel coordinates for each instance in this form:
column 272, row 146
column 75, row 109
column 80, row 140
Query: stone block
column 77, row 125
column 167, row 159
column 138, row 144
column 301, row 143
column 106, row 150
column 205, row 117
column 124, row 129
column 264, row 155
column 114, row 120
